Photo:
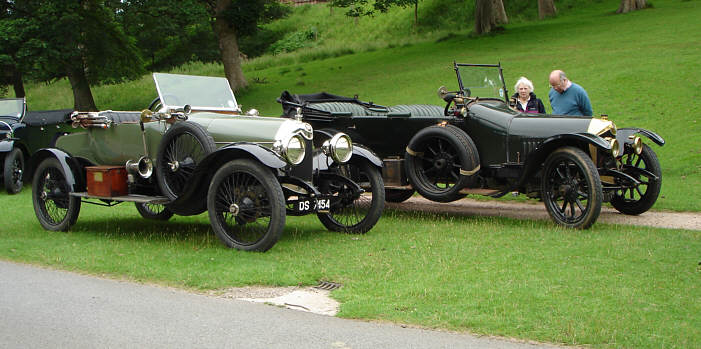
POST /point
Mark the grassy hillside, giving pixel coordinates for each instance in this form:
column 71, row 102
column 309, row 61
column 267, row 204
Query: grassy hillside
column 642, row 69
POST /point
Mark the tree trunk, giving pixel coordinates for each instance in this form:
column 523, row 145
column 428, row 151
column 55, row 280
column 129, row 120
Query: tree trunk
column 546, row 8
column 17, row 83
column 416, row 14
column 229, row 47
column 82, row 96
column 631, row 5
column 488, row 15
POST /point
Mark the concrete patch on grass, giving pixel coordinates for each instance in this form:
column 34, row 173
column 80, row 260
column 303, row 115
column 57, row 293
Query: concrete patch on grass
column 309, row 299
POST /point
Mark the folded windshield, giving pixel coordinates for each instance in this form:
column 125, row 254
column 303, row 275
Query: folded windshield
column 482, row 80
column 12, row 108
column 200, row 92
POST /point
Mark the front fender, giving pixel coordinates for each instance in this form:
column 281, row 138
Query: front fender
column 196, row 191
column 537, row 157
column 623, row 135
column 363, row 152
column 73, row 170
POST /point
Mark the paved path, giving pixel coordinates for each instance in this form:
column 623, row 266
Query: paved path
column 42, row 308
column 470, row 207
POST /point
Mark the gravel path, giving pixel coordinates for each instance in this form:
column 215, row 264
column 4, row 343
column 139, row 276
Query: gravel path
column 470, row 207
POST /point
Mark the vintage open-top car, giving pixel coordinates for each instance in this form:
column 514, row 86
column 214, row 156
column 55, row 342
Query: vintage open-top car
column 192, row 151
column 22, row 133
column 479, row 144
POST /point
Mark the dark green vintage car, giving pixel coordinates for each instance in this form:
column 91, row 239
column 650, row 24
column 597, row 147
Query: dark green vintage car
column 192, row 151
column 479, row 144
column 22, row 133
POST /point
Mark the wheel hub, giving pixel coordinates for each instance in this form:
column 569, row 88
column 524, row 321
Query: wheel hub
column 234, row 209
column 174, row 165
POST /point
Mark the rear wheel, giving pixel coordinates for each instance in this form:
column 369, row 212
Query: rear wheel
column 398, row 195
column 646, row 169
column 182, row 148
column 53, row 206
column 440, row 161
column 353, row 212
column 153, row 211
column 571, row 188
column 246, row 206
column 13, row 171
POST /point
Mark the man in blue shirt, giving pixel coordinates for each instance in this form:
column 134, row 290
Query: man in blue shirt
column 566, row 97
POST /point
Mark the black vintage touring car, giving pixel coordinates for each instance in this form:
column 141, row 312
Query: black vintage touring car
column 478, row 144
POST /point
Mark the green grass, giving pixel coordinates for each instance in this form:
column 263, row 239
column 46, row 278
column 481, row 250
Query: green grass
column 611, row 286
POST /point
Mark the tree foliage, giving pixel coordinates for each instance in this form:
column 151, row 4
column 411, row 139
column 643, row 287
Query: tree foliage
column 358, row 8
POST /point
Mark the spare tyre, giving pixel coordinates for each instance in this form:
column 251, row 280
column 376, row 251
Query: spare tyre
column 181, row 149
column 441, row 160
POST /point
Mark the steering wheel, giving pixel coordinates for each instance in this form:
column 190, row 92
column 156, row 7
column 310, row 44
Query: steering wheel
column 156, row 104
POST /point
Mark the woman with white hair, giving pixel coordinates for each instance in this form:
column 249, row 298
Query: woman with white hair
column 526, row 101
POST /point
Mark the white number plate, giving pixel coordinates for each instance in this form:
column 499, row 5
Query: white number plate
column 319, row 205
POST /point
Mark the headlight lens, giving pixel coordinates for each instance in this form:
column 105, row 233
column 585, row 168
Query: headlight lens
column 294, row 150
column 339, row 147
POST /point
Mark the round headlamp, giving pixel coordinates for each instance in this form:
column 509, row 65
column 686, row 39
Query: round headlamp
column 638, row 145
column 339, row 147
column 615, row 150
column 293, row 149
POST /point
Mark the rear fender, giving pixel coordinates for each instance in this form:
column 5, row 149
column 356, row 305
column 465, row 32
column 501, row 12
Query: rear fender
column 536, row 159
column 623, row 135
column 74, row 171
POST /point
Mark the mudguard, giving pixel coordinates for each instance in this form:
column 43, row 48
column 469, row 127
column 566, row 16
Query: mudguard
column 193, row 199
column 623, row 134
column 363, row 152
column 537, row 157
column 74, row 172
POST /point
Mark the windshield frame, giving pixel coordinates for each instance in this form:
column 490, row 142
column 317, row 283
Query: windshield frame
column 505, row 95
column 22, row 112
column 222, row 85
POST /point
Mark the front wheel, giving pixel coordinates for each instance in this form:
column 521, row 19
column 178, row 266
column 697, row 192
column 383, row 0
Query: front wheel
column 53, row 205
column 246, row 206
column 351, row 211
column 156, row 212
column 13, row 170
column 646, row 169
column 571, row 188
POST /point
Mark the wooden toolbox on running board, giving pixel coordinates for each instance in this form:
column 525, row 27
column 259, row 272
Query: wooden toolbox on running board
column 107, row 181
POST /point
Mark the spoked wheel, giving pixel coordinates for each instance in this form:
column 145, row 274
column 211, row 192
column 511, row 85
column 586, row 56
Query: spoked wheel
column 398, row 195
column 439, row 162
column 13, row 171
column 54, row 207
column 246, row 206
column 352, row 211
column 180, row 150
column 571, row 188
column 646, row 169
column 156, row 212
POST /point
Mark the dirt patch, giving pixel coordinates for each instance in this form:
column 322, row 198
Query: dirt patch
column 470, row 207
column 309, row 299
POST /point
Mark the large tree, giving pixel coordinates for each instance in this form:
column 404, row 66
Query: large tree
column 631, row 5
column 546, row 8
column 233, row 19
column 489, row 15
column 79, row 40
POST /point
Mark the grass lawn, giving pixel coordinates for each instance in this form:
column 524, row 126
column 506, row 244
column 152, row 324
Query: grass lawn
column 610, row 286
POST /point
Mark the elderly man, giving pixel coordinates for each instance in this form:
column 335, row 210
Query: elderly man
column 566, row 97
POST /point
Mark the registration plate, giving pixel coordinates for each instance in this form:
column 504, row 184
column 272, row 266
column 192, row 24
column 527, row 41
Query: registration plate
column 313, row 205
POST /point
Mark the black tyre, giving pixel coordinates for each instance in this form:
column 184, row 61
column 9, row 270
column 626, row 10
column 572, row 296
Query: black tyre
column 180, row 150
column 153, row 211
column 53, row 206
column 246, row 206
column 13, row 171
column 437, row 160
column 398, row 195
column 349, row 212
column 645, row 168
column 571, row 188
